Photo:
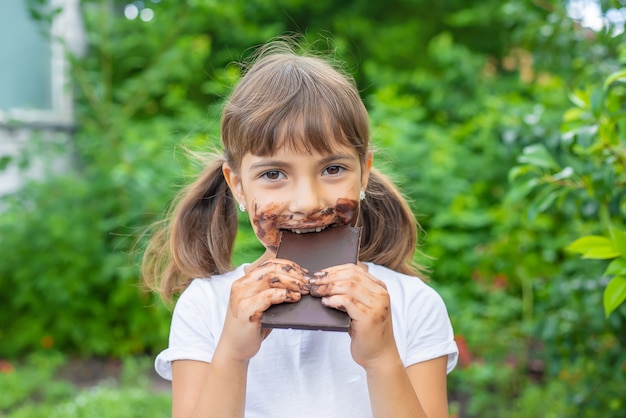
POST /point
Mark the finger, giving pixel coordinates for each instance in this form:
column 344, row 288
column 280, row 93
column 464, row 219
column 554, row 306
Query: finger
column 282, row 281
column 287, row 266
column 352, row 291
column 346, row 272
column 277, row 266
column 255, row 306
column 346, row 303
column 243, row 292
column 357, row 310
column 356, row 283
column 271, row 276
column 348, row 285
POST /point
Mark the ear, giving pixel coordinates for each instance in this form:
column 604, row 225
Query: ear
column 365, row 170
column 234, row 182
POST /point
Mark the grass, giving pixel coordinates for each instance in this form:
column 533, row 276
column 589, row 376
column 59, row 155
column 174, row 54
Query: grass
column 32, row 389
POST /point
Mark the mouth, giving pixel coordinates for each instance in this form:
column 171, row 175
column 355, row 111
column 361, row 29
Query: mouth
column 306, row 230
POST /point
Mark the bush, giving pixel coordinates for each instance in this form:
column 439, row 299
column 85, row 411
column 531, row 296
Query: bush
column 32, row 389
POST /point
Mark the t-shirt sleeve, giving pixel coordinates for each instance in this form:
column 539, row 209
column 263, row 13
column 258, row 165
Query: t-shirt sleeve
column 190, row 336
column 430, row 334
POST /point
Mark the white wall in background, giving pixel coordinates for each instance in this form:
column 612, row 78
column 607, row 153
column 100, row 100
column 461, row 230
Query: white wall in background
column 35, row 94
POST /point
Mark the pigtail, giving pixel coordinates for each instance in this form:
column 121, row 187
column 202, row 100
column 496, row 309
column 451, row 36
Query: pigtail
column 197, row 237
column 389, row 235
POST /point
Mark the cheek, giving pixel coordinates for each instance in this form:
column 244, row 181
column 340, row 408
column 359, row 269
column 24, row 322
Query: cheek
column 265, row 220
column 346, row 211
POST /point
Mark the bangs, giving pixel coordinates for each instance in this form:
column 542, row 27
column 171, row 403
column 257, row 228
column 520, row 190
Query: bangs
column 295, row 102
column 308, row 128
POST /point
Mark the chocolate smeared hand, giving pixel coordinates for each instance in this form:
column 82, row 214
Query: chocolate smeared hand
column 314, row 251
column 268, row 223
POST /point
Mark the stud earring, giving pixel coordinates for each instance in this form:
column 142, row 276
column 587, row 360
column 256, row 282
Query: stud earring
column 242, row 206
column 362, row 195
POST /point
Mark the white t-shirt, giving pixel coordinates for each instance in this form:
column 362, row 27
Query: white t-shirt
column 300, row 373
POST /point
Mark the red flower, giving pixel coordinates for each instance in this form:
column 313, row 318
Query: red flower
column 6, row 367
column 465, row 356
column 47, row 342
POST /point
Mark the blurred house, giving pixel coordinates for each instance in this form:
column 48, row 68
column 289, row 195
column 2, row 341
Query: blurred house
column 35, row 93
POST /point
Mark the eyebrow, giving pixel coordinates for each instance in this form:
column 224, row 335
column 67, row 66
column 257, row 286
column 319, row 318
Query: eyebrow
column 336, row 157
column 280, row 163
column 268, row 164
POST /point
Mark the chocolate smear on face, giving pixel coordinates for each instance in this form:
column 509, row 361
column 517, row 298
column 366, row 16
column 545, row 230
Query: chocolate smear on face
column 346, row 210
column 267, row 223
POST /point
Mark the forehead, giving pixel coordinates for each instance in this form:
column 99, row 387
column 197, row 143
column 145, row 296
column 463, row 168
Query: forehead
column 289, row 154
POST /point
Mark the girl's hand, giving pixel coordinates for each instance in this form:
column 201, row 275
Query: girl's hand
column 274, row 281
column 352, row 289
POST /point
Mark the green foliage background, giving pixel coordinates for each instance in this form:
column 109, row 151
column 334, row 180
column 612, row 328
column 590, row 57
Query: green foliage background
column 469, row 101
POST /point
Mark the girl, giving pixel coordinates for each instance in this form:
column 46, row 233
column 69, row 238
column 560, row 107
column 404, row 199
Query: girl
column 295, row 135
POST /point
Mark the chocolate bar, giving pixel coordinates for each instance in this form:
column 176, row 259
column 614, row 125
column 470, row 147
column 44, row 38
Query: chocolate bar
column 314, row 251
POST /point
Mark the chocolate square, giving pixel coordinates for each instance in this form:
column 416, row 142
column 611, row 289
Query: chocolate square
column 314, row 251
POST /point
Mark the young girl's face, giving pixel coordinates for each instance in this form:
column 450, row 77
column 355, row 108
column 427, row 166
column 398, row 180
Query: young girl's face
column 299, row 191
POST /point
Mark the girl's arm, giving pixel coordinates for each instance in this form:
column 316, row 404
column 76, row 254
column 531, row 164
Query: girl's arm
column 429, row 380
column 417, row 391
column 218, row 389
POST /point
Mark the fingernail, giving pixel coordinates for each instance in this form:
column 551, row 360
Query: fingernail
column 325, row 301
column 313, row 280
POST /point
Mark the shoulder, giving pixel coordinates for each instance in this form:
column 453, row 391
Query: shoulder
column 410, row 287
column 422, row 327
column 207, row 288
column 415, row 304
column 217, row 281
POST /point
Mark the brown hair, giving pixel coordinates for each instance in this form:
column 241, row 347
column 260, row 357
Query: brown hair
column 283, row 99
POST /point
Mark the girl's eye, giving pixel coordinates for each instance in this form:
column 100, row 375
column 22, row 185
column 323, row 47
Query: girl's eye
column 333, row 170
column 273, row 175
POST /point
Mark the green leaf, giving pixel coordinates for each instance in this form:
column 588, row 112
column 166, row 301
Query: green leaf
column 594, row 247
column 543, row 201
column 578, row 99
column 619, row 240
column 616, row 267
column 538, row 155
column 520, row 190
column 616, row 76
column 597, row 102
column 518, row 171
column 574, row 114
column 614, row 294
column 566, row 173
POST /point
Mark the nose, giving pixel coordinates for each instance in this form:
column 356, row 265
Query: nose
column 305, row 198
